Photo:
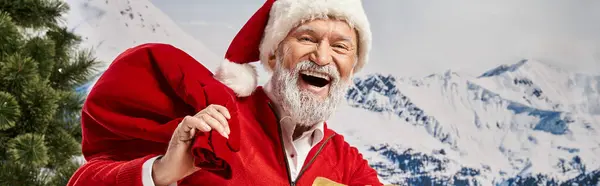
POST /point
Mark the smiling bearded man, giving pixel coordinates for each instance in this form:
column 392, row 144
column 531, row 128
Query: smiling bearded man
column 159, row 117
column 304, row 107
column 310, row 92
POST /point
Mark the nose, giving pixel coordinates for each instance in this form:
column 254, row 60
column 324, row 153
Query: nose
column 321, row 54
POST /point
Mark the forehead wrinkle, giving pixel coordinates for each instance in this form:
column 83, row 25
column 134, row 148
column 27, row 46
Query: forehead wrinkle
column 305, row 28
column 344, row 36
column 332, row 29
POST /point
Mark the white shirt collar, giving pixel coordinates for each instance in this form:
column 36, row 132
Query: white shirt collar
column 316, row 132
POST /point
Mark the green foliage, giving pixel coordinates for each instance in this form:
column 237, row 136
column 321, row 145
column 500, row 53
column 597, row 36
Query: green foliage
column 37, row 49
column 28, row 149
column 40, row 103
column 16, row 70
column 9, row 111
column 40, row 132
column 10, row 37
column 13, row 173
column 67, row 115
column 63, row 173
column 64, row 144
column 75, row 72
column 35, row 13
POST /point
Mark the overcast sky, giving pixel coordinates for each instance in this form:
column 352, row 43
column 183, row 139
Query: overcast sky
column 420, row 37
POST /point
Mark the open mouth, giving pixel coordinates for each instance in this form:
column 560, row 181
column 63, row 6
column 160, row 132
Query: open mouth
column 315, row 79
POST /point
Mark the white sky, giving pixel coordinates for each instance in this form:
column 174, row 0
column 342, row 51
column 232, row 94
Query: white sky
column 420, row 37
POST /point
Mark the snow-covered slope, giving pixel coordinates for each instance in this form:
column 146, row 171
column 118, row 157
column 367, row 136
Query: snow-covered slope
column 546, row 86
column 111, row 27
column 514, row 125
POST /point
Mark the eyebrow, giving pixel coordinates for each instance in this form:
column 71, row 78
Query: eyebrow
column 305, row 28
column 311, row 30
column 344, row 38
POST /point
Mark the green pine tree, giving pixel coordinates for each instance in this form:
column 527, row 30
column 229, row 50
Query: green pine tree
column 41, row 65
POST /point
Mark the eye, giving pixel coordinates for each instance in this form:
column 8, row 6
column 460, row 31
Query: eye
column 305, row 39
column 340, row 46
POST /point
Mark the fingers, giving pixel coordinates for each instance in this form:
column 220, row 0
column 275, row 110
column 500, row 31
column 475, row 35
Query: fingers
column 193, row 122
column 220, row 118
column 189, row 126
column 222, row 110
column 223, row 113
column 212, row 117
column 214, row 124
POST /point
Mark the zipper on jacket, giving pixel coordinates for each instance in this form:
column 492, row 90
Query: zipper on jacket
column 313, row 159
column 287, row 166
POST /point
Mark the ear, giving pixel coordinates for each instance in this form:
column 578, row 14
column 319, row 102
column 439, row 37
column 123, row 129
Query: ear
column 351, row 76
column 350, row 79
column 272, row 61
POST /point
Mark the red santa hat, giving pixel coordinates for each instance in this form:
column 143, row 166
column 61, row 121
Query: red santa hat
column 260, row 36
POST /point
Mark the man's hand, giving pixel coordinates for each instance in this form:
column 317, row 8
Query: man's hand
column 178, row 162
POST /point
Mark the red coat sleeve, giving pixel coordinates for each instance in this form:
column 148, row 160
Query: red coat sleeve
column 133, row 109
column 362, row 173
column 357, row 170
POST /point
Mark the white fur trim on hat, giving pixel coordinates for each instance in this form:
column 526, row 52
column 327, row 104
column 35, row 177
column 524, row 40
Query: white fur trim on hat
column 241, row 78
column 287, row 14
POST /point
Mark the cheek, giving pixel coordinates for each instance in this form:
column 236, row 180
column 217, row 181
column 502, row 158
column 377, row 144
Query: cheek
column 289, row 62
column 346, row 69
column 288, row 57
column 299, row 52
column 346, row 75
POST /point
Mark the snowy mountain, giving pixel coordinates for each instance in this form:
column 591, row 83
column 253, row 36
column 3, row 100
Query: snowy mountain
column 514, row 125
column 550, row 88
column 110, row 27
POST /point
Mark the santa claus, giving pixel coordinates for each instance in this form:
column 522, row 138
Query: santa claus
column 159, row 117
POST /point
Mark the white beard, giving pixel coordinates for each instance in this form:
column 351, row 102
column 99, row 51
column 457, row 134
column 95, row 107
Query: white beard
column 301, row 106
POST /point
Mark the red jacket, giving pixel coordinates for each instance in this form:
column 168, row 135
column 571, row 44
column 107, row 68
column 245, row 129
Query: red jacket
column 133, row 109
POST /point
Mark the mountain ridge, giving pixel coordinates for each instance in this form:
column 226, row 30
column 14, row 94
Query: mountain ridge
column 530, row 140
column 111, row 27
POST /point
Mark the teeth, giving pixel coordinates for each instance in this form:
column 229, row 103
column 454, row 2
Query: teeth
column 316, row 74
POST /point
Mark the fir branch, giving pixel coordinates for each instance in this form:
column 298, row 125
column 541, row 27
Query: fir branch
column 14, row 173
column 76, row 73
column 9, row 111
column 63, row 145
column 35, row 13
column 29, row 150
column 63, row 173
column 64, row 43
column 39, row 103
column 41, row 68
column 9, row 36
column 41, row 50
column 16, row 71
column 70, row 104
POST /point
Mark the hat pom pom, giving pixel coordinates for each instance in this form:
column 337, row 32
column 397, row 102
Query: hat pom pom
column 241, row 78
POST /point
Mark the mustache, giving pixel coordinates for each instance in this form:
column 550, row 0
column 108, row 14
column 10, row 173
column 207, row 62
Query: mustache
column 308, row 65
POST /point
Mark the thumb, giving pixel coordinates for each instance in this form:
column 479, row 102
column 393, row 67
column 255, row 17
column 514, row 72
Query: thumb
column 192, row 171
